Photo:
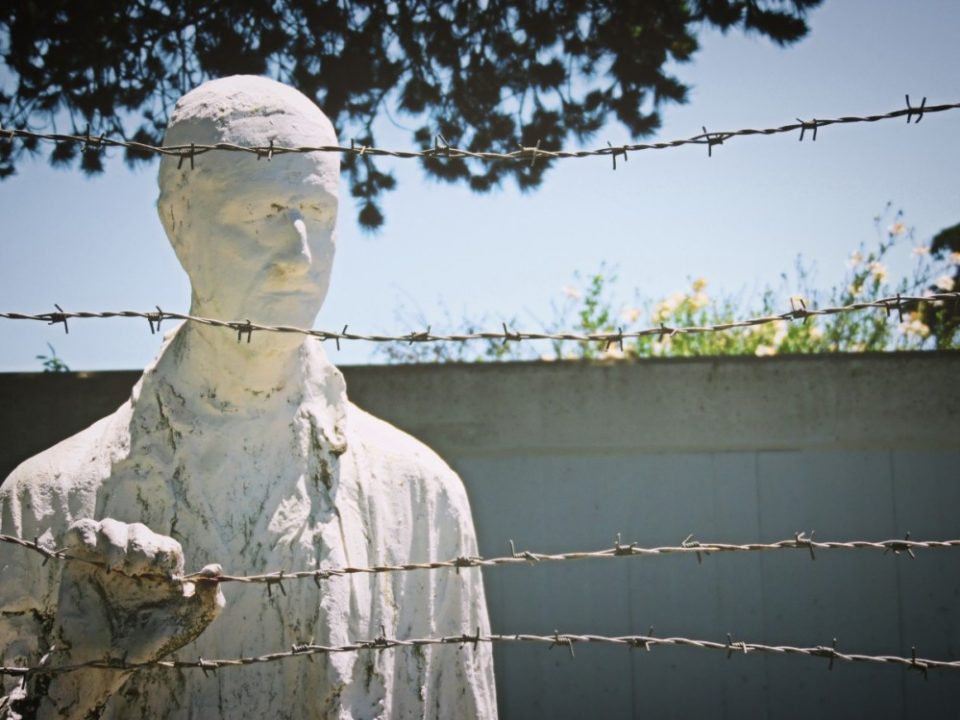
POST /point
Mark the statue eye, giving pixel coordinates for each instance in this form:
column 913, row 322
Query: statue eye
column 316, row 212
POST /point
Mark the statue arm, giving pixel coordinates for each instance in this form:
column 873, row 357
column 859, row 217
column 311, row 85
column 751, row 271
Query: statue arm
column 126, row 602
column 463, row 610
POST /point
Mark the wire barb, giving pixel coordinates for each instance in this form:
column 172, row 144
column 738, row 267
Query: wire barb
column 804, row 126
column 58, row 317
column 614, row 151
column 919, row 110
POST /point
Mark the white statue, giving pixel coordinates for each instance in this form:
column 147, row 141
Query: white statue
column 251, row 456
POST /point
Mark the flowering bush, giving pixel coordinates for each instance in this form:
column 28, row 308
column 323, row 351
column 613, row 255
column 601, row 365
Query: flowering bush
column 589, row 307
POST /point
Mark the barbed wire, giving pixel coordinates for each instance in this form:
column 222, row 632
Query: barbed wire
column 189, row 151
column 689, row 546
column 800, row 541
column 647, row 642
column 798, row 311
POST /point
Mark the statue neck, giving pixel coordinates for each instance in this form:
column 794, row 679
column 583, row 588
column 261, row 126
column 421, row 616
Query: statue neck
column 210, row 364
column 204, row 379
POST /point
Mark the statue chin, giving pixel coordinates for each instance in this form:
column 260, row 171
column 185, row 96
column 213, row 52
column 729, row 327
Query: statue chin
column 249, row 457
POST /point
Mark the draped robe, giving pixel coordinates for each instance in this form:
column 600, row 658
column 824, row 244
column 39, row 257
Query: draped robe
column 301, row 479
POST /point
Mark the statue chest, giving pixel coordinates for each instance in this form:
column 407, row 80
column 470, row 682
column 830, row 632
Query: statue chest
column 251, row 496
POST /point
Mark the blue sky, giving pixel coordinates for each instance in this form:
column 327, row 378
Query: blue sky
column 738, row 219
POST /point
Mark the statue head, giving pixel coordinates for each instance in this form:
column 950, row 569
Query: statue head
column 256, row 236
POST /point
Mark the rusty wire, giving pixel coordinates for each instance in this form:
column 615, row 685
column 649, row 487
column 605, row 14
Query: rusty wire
column 647, row 642
column 800, row 541
column 189, row 151
column 247, row 328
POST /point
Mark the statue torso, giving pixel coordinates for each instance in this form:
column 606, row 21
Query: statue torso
column 303, row 486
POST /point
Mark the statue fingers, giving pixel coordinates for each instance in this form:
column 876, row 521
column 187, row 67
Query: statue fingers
column 132, row 549
column 112, row 543
column 80, row 540
column 148, row 553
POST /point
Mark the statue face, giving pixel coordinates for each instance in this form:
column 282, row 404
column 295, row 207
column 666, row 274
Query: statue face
column 255, row 236
column 261, row 246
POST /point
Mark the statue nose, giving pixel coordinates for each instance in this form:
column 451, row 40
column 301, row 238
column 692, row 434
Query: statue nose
column 297, row 251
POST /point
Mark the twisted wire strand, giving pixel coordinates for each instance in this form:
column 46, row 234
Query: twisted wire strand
column 188, row 151
column 647, row 642
column 800, row 541
column 247, row 328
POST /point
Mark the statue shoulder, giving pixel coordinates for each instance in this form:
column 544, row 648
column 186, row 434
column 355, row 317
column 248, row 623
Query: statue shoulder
column 380, row 439
column 400, row 455
column 54, row 487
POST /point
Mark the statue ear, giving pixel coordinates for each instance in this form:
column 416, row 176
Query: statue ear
column 174, row 227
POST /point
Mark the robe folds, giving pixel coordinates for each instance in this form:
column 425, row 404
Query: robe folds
column 300, row 480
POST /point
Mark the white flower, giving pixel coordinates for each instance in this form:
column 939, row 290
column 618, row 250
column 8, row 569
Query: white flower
column 664, row 309
column 856, row 257
column 779, row 334
column 765, row 351
column 914, row 326
column 816, row 332
column 571, row 292
column 660, row 347
column 955, row 258
column 921, row 250
column 854, row 290
column 944, row 282
column 699, row 300
column 631, row 315
column 898, row 228
column 612, row 353
column 878, row 270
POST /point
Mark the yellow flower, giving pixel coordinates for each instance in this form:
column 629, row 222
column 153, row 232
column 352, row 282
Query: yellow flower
column 955, row 258
column 765, row 351
column 699, row 300
column 897, row 228
column 699, row 284
column 856, row 257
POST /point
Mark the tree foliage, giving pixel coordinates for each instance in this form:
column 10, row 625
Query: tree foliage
column 482, row 75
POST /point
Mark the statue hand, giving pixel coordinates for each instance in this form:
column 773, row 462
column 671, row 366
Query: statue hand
column 128, row 602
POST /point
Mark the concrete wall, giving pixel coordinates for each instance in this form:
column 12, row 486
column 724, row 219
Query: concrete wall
column 564, row 456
